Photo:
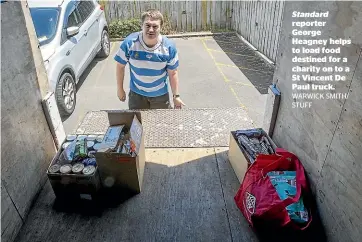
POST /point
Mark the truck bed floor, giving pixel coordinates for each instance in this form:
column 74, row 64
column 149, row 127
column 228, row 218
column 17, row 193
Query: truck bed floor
column 187, row 196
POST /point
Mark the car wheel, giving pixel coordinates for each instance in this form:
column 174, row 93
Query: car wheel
column 65, row 94
column 106, row 46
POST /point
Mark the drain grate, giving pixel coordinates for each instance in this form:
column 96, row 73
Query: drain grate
column 184, row 128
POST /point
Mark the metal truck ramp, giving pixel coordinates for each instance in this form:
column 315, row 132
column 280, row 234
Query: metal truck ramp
column 185, row 128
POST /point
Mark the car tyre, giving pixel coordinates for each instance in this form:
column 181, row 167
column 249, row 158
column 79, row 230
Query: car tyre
column 105, row 45
column 65, row 94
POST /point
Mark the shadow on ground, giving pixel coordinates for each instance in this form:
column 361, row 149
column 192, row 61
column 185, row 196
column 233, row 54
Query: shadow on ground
column 255, row 68
column 314, row 233
column 84, row 76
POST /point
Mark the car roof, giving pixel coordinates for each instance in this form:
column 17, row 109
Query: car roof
column 47, row 3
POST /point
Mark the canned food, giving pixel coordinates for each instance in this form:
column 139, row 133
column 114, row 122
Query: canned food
column 81, row 137
column 65, row 145
column 96, row 147
column 90, row 144
column 100, row 138
column 66, row 169
column 92, row 161
column 81, row 150
column 54, row 168
column 89, row 170
column 92, row 154
column 71, row 137
column 91, row 137
column 77, row 168
column 89, row 161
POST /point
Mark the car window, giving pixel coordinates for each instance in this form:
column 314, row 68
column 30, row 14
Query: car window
column 45, row 22
column 74, row 19
column 85, row 9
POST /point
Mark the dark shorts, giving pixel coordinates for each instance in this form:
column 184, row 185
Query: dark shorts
column 136, row 101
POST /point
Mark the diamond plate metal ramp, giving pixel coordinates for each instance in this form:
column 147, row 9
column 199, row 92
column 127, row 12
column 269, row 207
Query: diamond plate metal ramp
column 185, row 128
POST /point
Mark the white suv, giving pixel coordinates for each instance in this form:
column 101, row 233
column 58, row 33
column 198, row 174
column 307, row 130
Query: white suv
column 70, row 33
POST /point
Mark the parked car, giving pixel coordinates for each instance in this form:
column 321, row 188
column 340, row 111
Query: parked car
column 70, row 33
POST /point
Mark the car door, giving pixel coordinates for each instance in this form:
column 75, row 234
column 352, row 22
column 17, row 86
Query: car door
column 96, row 33
column 75, row 46
column 89, row 23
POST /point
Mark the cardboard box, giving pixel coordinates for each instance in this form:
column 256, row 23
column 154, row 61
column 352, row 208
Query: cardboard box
column 119, row 171
column 237, row 155
column 74, row 185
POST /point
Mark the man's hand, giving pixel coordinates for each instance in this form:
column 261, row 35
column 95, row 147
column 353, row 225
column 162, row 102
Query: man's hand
column 121, row 94
column 178, row 102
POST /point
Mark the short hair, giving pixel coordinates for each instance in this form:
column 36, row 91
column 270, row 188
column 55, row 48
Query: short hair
column 153, row 14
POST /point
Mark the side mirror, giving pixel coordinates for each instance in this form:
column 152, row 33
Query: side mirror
column 71, row 31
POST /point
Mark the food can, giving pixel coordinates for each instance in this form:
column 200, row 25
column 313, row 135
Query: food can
column 100, row 138
column 91, row 137
column 92, row 154
column 90, row 144
column 81, row 137
column 96, row 147
column 54, row 168
column 77, row 168
column 81, row 150
column 71, row 137
column 89, row 170
column 89, row 161
column 92, row 161
column 66, row 169
column 65, row 145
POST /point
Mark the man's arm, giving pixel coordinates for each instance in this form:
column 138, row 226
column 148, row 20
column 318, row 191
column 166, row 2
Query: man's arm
column 172, row 66
column 174, row 87
column 120, row 77
column 173, row 81
column 122, row 59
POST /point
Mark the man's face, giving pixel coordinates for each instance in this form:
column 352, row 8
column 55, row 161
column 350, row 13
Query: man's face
column 151, row 28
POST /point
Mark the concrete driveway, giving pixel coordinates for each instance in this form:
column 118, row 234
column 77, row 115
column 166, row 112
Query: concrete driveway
column 217, row 71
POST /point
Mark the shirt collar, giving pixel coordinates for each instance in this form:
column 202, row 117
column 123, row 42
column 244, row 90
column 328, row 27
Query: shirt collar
column 159, row 42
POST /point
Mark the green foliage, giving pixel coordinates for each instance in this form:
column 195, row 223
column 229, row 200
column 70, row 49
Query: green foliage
column 219, row 30
column 122, row 28
column 167, row 27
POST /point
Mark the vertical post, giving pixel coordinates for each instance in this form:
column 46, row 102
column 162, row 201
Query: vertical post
column 271, row 109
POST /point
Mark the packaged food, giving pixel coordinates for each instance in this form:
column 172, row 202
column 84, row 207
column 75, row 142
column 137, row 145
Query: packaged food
column 89, row 170
column 112, row 137
column 90, row 144
column 54, row 168
column 81, row 150
column 65, row 145
column 66, row 169
column 100, row 138
column 285, row 185
column 67, row 154
column 71, row 137
column 92, row 154
column 77, row 168
column 81, row 137
column 89, row 161
column 97, row 146
column 91, row 137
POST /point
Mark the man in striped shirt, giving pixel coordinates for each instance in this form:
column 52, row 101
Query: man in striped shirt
column 153, row 60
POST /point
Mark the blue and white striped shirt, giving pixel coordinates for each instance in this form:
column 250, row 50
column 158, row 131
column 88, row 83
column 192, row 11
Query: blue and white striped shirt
column 148, row 66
